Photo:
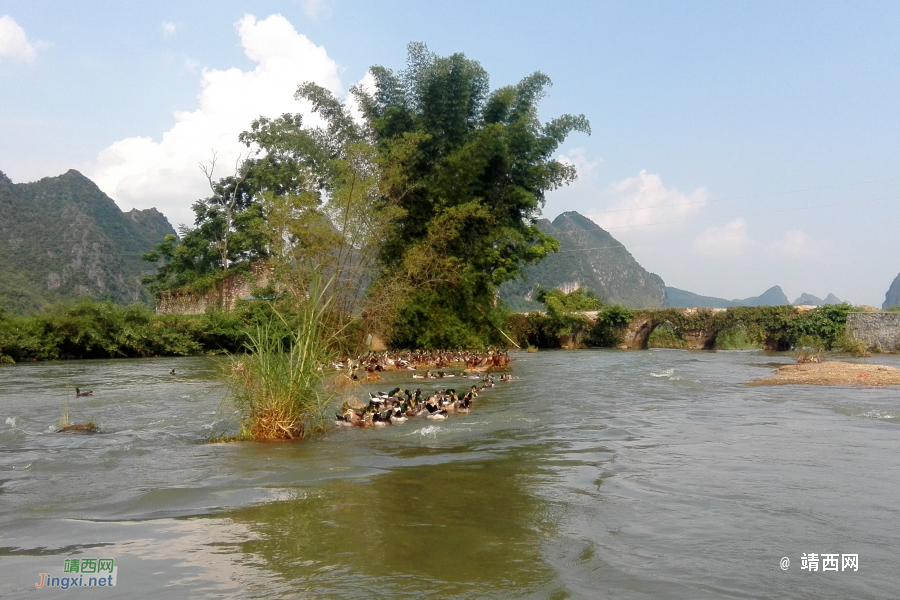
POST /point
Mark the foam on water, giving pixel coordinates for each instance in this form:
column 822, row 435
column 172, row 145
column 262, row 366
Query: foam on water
column 429, row 431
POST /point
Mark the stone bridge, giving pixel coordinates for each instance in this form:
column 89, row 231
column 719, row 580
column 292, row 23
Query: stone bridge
column 699, row 334
column 878, row 331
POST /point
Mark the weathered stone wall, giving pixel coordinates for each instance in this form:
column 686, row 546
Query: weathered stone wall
column 879, row 331
column 223, row 296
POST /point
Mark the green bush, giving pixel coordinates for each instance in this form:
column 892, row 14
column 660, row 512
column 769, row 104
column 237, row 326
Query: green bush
column 735, row 338
column 606, row 333
column 666, row 336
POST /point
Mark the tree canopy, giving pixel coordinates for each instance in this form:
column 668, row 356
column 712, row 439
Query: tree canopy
column 421, row 192
column 475, row 183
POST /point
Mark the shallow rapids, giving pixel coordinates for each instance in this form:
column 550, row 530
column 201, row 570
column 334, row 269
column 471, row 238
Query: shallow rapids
column 613, row 474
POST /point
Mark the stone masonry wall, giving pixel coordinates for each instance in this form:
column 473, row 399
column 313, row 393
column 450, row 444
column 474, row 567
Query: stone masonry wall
column 879, row 331
column 223, row 296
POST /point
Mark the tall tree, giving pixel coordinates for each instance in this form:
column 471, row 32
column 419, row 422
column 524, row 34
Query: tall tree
column 481, row 166
column 228, row 233
column 438, row 185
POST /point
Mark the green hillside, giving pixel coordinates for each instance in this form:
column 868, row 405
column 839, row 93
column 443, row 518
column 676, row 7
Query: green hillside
column 589, row 257
column 61, row 238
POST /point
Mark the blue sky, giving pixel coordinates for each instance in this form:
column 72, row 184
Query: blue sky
column 735, row 146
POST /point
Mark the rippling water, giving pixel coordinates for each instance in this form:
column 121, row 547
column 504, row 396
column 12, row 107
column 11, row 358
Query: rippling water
column 598, row 474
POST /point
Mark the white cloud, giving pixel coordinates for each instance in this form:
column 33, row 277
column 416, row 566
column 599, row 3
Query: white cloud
column 644, row 203
column 169, row 29
column 191, row 65
column 14, row 43
column 795, row 245
column 367, row 83
column 727, row 241
column 586, row 168
column 314, row 9
column 142, row 172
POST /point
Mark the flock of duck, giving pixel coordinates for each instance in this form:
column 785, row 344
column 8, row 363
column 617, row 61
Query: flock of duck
column 398, row 406
column 433, row 362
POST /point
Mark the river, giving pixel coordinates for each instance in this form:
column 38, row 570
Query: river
column 597, row 474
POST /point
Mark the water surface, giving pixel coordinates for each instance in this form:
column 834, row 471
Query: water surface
column 598, row 474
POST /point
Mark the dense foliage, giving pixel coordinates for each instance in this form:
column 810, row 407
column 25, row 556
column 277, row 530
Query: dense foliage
column 90, row 329
column 227, row 236
column 565, row 324
column 785, row 327
column 479, row 166
column 557, row 301
column 429, row 201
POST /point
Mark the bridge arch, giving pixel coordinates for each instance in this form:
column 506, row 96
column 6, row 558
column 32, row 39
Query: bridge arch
column 697, row 327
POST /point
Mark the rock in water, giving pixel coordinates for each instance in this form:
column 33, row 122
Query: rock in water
column 354, row 403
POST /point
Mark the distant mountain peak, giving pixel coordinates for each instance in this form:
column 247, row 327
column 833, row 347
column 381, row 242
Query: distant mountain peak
column 589, row 257
column 774, row 296
column 810, row 300
column 575, row 218
column 892, row 297
column 62, row 238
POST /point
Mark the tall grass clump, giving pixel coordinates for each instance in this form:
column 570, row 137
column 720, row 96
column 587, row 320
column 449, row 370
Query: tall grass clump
column 279, row 386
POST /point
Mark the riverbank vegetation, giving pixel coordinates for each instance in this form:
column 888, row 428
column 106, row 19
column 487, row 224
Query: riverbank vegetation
column 90, row 329
column 278, row 385
column 580, row 319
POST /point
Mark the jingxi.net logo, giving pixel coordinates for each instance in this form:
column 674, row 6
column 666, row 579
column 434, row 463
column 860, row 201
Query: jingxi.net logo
column 80, row 572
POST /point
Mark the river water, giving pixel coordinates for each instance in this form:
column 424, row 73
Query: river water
column 597, row 474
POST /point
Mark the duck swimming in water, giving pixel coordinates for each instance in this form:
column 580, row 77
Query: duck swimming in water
column 437, row 415
column 80, row 394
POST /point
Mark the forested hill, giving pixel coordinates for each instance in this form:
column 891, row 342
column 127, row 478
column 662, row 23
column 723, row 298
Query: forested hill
column 61, row 238
column 589, row 257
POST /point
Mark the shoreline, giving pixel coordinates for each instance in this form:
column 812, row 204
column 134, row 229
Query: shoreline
column 832, row 373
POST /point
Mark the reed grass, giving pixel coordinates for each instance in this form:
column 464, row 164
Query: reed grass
column 279, row 385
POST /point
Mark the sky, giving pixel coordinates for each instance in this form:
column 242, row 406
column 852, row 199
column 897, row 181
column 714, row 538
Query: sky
column 734, row 146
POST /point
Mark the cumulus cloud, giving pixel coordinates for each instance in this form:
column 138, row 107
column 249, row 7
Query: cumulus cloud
column 169, row 29
column 795, row 245
column 14, row 43
column 645, row 202
column 163, row 172
column 728, row 241
column 586, row 167
column 732, row 240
